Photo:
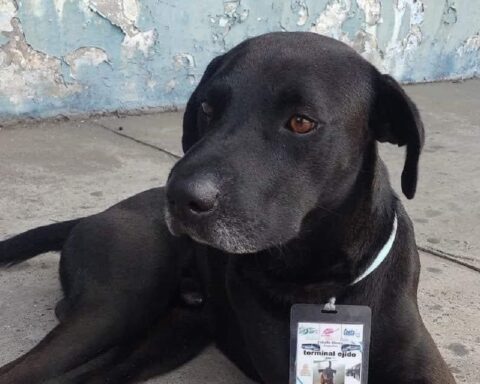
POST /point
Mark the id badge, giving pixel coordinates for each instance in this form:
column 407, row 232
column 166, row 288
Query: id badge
column 329, row 347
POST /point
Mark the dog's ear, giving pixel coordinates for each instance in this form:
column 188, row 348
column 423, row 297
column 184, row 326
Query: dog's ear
column 395, row 119
column 190, row 130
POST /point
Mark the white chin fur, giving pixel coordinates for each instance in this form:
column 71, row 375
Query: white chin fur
column 223, row 236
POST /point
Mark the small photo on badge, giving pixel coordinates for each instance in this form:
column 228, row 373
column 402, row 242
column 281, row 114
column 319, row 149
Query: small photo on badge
column 329, row 372
column 352, row 374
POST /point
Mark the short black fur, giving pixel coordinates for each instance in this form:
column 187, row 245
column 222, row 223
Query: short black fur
column 254, row 218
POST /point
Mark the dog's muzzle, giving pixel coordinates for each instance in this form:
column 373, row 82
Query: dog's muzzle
column 192, row 198
column 191, row 202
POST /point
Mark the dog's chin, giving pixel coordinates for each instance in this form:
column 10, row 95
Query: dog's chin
column 232, row 246
column 221, row 236
column 228, row 244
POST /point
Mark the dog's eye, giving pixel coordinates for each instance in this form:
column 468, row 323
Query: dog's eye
column 207, row 109
column 301, row 124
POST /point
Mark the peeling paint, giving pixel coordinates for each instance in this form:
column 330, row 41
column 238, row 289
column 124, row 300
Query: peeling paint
column 331, row 20
column 230, row 7
column 400, row 50
column 142, row 41
column 449, row 13
column 85, row 56
column 77, row 56
column 25, row 72
column 233, row 14
column 130, row 10
column 366, row 39
column 472, row 44
column 124, row 14
column 183, row 60
column 301, row 8
column 113, row 11
column 415, row 35
column 372, row 10
column 8, row 10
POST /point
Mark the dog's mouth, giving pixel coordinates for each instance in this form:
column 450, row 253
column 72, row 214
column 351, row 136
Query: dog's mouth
column 226, row 234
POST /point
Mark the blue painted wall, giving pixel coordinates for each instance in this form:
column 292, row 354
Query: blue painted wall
column 81, row 56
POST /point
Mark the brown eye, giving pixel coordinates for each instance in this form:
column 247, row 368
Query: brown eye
column 300, row 124
column 207, row 109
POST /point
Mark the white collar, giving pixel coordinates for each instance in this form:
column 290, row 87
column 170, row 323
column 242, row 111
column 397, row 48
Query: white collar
column 381, row 256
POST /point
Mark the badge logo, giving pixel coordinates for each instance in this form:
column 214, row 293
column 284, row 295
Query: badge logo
column 329, row 331
column 307, row 330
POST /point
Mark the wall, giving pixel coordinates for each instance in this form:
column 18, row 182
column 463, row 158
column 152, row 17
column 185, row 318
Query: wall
column 80, row 56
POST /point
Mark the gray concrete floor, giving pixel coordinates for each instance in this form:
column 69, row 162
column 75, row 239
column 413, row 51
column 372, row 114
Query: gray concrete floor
column 59, row 170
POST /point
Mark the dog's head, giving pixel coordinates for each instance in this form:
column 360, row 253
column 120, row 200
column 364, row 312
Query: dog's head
column 279, row 126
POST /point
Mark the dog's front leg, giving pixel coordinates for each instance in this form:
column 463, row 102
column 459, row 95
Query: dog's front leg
column 177, row 337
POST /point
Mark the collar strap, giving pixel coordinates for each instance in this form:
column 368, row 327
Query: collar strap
column 382, row 255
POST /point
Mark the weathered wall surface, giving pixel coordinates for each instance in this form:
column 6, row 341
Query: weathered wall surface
column 80, row 56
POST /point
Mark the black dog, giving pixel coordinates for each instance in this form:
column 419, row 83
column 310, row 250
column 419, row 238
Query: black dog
column 281, row 198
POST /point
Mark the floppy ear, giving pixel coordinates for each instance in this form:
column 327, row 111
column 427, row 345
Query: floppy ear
column 395, row 119
column 190, row 129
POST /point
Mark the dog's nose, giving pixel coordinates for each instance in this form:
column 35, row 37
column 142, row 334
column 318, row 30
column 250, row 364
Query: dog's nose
column 192, row 197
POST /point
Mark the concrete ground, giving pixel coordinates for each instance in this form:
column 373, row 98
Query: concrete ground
column 55, row 171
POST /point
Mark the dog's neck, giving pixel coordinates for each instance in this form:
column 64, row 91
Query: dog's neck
column 336, row 247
